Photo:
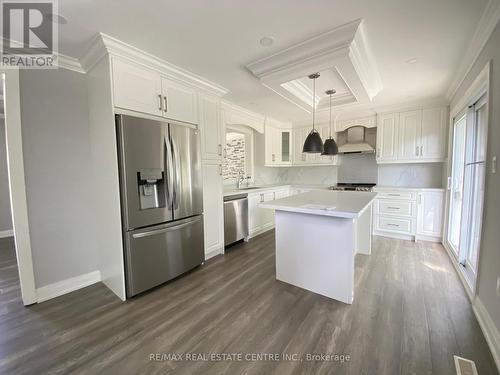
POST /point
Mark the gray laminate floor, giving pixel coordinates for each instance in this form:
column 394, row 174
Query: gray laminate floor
column 410, row 315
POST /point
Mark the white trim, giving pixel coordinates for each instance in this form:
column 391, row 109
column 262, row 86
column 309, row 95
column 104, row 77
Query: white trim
column 70, row 63
column 489, row 330
column 6, row 233
column 479, row 86
column 18, row 203
column 67, row 286
column 236, row 115
column 104, row 44
column 486, row 26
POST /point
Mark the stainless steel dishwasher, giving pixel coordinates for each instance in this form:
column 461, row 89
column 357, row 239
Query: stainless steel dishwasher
column 235, row 218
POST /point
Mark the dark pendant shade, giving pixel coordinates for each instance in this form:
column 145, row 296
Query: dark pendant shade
column 330, row 147
column 313, row 143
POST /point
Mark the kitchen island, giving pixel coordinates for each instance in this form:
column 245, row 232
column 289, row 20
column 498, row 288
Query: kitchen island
column 318, row 235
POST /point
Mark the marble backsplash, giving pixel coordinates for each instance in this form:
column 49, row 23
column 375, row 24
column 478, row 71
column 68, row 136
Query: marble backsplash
column 307, row 175
column 428, row 175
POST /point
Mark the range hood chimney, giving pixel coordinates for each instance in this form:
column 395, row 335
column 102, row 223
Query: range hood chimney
column 356, row 141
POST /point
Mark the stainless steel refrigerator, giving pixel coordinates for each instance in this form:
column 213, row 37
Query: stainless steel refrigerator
column 161, row 198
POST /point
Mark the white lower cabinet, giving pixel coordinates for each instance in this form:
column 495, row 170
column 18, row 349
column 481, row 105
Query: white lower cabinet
column 430, row 214
column 213, row 209
column 262, row 219
column 409, row 213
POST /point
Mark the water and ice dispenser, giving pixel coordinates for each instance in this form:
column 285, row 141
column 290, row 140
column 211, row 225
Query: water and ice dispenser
column 151, row 184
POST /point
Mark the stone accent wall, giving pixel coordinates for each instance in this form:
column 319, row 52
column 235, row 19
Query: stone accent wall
column 234, row 165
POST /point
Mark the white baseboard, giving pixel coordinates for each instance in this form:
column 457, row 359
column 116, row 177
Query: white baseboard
column 257, row 232
column 6, row 233
column 397, row 236
column 489, row 330
column 213, row 253
column 66, row 286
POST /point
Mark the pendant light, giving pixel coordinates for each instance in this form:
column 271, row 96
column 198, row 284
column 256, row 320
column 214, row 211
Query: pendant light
column 330, row 147
column 313, row 143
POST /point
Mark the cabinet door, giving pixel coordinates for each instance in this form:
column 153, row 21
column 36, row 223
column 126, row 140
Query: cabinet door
column 254, row 213
column 282, row 193
column 433, row 137
column 387, row 137
column 272, row 152
column 430, row 213
column 213, row 210
column 179, row 101
column 211, row 128
column 298, row 143
column 410, row 126
column 268, row 214
column 136, row 88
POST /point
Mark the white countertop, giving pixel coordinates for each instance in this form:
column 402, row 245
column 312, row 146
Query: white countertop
column 346, row 204
column 260, row 188
column 405, row 188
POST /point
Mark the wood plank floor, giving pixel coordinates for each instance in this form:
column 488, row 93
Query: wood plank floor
column 410, row 315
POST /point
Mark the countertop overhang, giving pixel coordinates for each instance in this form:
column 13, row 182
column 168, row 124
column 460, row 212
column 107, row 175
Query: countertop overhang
column 344, row 204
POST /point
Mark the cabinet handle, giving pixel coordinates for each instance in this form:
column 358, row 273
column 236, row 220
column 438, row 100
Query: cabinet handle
column 421, row 151
column 378, row 152
column 160, row 107
column 220, row 169
column 262, row 198
column 220, row 149
column 225, row 153
column 392, row 225
column 416, row 152
column 166, row 103
column 273, row 157
column 274, row 195
column 394, row 195
column 394, row 208
column 420, row 199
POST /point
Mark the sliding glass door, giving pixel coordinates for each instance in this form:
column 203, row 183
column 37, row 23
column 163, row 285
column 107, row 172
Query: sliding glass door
column 468, row 170
column 457, row 183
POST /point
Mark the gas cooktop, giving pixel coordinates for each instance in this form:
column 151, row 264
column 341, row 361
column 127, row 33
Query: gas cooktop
column 352, row 186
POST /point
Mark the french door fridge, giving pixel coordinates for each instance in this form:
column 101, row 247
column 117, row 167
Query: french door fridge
column 161, row 198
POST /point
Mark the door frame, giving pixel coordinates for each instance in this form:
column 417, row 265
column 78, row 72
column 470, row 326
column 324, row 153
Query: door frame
column 17, row 185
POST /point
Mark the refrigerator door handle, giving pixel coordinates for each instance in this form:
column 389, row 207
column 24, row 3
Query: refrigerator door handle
column 177, row 169
column 169, row 175
column 165, row 230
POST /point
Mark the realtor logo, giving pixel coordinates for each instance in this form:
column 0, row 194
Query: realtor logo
column 29, row 37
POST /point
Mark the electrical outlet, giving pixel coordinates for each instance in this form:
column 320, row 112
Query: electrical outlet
column 498, row 286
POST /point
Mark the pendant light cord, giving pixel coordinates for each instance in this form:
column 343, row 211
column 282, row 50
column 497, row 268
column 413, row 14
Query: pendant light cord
column 330, row 116
column 314, row 99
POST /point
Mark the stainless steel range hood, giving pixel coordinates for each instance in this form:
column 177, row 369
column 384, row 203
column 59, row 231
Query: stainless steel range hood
column 355, row 141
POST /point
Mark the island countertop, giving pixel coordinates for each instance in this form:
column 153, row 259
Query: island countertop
column 345, row 204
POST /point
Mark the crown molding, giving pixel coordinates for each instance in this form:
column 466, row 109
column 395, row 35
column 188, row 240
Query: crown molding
column 485, row 27
column 104, row 44
column 70, row 63
column 343, row 50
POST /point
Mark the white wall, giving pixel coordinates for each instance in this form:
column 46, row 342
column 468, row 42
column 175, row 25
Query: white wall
column 489, row 262
column 5, row 216
column 56, row 145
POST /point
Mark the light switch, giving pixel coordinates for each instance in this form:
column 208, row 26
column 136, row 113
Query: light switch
column 494, row 164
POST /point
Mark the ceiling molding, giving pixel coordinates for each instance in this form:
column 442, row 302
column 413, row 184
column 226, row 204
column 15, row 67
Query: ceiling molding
column 485, row 27
column 301, row 91
column 70, row 63
column 106, row 45
column 61, row 60
column 343, row 50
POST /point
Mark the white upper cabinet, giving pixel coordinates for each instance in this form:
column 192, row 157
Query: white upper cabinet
column 278, row 146
column 137, row 88
column 410, row 127
column 299, row 137
column 417, row 136
column 433, row 138
column 430, row 213
column 387, row 137
column 211, row 127
column 179, row 101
